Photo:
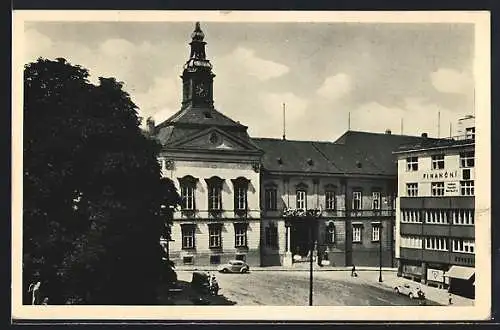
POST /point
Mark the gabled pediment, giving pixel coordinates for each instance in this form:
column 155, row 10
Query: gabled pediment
column 214, row 139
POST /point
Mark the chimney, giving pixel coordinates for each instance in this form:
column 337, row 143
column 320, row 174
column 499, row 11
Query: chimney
column 424, row 135
column 388, row 131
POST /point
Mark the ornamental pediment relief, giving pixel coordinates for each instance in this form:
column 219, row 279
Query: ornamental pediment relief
column 214, row 139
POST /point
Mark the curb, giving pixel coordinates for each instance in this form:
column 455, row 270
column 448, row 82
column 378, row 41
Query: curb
column 262, row 269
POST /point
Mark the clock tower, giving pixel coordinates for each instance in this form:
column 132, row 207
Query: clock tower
column 197, row 77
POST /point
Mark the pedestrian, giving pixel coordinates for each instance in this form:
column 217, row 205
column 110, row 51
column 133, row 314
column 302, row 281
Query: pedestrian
column 353, row 271
column 449, row 299
column 45, row 301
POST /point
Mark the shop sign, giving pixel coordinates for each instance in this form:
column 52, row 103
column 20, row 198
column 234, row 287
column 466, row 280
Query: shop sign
column 410, row 269
column 440, row 175
column 451, row 187
column 435, row 275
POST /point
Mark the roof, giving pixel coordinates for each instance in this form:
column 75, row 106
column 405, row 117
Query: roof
column 314, row 157
column 435, row 144
column 191, row 120
column 378, row 148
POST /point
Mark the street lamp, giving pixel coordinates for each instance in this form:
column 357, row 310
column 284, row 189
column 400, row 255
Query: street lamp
column 380, row 252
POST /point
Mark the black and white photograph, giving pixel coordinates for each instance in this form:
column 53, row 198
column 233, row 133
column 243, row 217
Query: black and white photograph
column 251, row 165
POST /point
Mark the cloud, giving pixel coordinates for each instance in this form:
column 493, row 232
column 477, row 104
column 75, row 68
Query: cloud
column 451, row 81
column 418, row 117
column 161, row 98
column 244, row 58
column 35, row 44
column 334, row 87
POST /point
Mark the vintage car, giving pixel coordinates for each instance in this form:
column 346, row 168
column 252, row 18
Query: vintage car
column 412, row 291
column 234, row 266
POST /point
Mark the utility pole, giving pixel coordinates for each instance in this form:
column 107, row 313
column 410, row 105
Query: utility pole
column 380, row 252
column 311, row 264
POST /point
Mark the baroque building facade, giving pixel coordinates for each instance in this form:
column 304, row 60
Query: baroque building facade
column 268, row 201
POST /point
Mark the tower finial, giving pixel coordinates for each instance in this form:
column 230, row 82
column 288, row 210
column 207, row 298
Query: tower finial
column 197, row 34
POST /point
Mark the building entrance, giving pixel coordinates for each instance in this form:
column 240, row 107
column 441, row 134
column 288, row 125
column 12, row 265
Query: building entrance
column 302, row 232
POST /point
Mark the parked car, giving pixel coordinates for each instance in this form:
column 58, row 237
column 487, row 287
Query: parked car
column 413, row 292
column 234, row 266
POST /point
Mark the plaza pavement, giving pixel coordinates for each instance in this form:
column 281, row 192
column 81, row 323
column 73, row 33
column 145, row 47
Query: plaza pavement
column 367, row 276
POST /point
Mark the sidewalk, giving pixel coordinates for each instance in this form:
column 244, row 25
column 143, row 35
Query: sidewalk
column 295, row 267
column 440, row 296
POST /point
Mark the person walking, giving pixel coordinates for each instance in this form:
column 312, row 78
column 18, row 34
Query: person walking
column 353, row 271
column 450, row 299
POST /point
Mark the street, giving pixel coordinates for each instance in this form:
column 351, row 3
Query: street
column 291, row 288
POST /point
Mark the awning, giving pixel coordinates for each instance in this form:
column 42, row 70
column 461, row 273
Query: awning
column 464, row 273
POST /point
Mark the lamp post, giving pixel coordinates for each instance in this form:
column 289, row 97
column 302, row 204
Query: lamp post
column 380, row 253
column 311, row 257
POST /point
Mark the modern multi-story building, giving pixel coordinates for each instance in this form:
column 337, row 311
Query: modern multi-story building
column 435, row 210
column 266, row 201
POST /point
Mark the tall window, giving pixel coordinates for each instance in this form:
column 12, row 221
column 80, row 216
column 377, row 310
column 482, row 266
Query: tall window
column 240, row 234
column 240, row 193
column 188, row 232
column 271, row 202
column 330, row 233
column 467, row 188
column 214, row 186
column 437, row 188
column 467, row 159
column 437, row 162
column 412, row 189
column 376, row 200
column 412, row 164
column 330, row 200
column 215, row 235
column 356, row 233
column 301, row 199
column 410, row 216
column 356, row 200
column 375, row 232
column 188, row 187
column 271, row 236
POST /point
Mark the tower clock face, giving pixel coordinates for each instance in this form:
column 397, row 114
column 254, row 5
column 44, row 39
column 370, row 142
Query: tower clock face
column 201, row 90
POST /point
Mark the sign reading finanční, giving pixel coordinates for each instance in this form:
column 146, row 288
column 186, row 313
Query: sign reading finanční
column 441, row 175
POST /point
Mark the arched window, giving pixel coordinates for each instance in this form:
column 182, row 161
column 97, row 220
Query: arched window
column 240, row 193
column 188, row 188
column 214, row 187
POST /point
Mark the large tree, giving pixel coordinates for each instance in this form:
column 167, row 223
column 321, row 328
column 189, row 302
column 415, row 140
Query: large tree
column 93, row 192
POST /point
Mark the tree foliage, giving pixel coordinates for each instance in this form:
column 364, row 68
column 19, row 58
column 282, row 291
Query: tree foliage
column 92, row 215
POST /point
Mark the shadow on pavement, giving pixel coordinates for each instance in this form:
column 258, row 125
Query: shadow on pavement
column 182, row 294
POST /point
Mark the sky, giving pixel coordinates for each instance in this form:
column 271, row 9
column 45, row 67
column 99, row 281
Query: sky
column 381, row 74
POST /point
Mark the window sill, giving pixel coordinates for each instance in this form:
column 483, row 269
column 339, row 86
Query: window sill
column 357, row 242
column 215, row 247
column 241, row 247
column 189, row 248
